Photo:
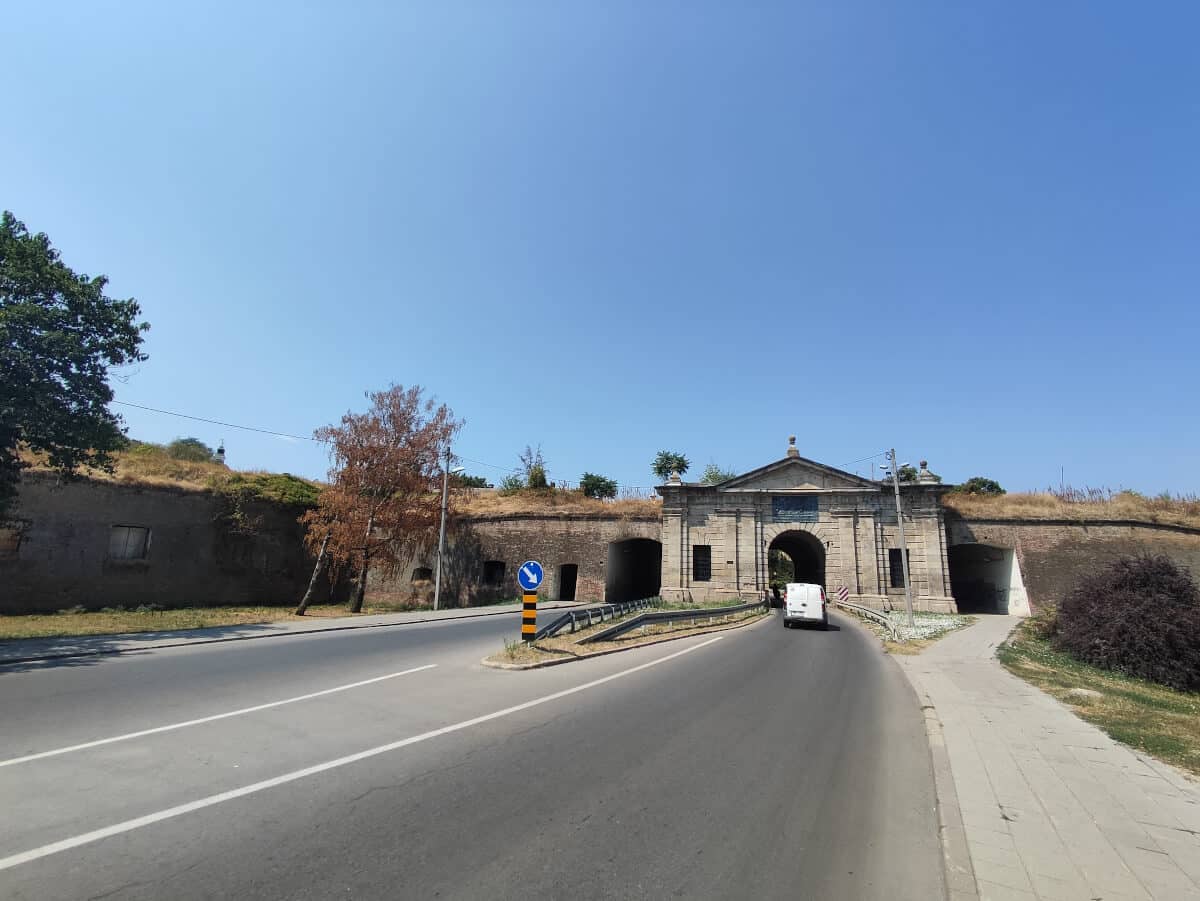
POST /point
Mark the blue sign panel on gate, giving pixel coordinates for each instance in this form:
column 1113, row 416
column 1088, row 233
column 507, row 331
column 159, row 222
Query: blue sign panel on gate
column 794, row 509
column 530, row 575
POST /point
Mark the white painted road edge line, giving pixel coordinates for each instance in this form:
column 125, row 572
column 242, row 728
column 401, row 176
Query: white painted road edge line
column 129, row 825
column 207, row 719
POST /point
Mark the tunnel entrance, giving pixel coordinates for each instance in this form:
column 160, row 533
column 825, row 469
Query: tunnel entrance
column 986, row 579
column 568, row 575
column 634, row 570
column 806, row 553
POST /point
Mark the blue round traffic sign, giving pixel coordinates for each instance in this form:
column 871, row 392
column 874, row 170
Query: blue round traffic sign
column 529, row 575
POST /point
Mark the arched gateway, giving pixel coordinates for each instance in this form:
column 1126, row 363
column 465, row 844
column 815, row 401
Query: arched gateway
column 838, row 529
column 805, row 552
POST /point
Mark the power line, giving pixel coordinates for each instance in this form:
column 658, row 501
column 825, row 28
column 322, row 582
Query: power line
column 864, row 459
column 249, row 428
column 246, row 428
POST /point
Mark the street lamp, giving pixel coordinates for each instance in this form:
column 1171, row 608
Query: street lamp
column 895, row 473
column 446, row 470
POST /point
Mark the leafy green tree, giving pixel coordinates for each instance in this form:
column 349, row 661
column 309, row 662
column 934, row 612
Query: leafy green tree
column 192, row 450
column 462, row 480
column 714, row 475
column 59, row 336
column 980, row 485
column 593, row 485
column 907, row 473
column 668, row 462
column 781, row 569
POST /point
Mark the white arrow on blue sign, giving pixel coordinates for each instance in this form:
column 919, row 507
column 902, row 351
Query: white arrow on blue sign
column 530, row 575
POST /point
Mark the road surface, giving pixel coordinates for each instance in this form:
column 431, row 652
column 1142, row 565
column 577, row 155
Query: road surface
column 756, row 763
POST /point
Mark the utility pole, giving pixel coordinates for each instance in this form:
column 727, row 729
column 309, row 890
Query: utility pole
column 437, row 584
column 903, row 544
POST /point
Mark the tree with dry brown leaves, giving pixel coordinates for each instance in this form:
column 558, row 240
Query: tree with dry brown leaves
column 384, row 491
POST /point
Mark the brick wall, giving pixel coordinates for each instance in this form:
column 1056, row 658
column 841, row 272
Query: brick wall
column 552, row 540
column 1053, row 555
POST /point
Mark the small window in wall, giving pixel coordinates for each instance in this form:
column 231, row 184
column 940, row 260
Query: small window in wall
column 896, row 566
column 701, row 562
column 10, row 542
column 128, row 543
column 422, row 574
column 493, row 572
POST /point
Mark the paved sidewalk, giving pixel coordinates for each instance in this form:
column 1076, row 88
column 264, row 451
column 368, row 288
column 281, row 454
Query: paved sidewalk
column 1052, row 808
column 34, row 649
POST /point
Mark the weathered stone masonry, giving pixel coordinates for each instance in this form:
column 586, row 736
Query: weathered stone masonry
column 837, row 526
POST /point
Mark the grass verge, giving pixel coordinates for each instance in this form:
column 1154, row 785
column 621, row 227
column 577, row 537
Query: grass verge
column 1152, row 718
column 112, row 621
column 562, row 647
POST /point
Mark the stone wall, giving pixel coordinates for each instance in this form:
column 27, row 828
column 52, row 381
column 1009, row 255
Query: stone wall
column 554, row 540
column 1053, row 555
column 56, row 549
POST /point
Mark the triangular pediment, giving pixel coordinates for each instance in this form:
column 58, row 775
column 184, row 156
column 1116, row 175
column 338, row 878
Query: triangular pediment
column 797, row 474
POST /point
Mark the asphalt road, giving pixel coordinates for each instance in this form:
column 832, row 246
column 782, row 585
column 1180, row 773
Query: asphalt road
column 763, row 763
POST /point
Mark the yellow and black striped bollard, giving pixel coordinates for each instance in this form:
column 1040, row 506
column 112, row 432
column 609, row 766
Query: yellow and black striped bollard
column 529, row 616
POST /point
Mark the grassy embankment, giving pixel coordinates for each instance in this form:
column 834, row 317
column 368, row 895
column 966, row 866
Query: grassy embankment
column 1079, row 505
column 1152, row 718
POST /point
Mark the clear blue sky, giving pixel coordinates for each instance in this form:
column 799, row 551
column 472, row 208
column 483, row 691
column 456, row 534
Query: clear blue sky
column 966, row 229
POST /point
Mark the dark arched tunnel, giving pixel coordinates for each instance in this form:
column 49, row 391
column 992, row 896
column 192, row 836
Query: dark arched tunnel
column 634, row 570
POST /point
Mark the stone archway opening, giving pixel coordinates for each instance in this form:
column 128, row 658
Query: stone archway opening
column 634, row 570
column 986, row 579
column 806, row 553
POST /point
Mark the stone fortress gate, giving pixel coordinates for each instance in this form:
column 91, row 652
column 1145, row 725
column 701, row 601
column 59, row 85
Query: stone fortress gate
column 839, row 530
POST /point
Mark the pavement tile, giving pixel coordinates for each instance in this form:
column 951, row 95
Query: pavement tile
column 1051, row 889
column 1087, row 817
column 1002, row 874
column 1008, row 857
column 990, row 891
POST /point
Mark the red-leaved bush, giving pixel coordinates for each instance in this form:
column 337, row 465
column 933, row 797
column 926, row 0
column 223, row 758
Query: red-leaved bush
column 1139, row 616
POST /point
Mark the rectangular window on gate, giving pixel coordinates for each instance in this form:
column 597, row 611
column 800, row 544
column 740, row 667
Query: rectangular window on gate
column 794, row 509
column 128, row 543
column 701, row 562
column 896, row 566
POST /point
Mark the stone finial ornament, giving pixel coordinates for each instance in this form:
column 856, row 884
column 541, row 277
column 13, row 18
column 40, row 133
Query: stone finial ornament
column 925, row 476
column 791, row 451
column 674, row 479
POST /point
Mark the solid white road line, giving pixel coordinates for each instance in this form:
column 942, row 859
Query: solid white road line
column 129, row 825
column 208, row 719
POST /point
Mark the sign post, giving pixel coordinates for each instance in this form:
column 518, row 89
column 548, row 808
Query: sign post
column 529, row 575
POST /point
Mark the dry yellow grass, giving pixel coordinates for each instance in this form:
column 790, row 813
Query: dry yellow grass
column 493, row 503
column 1123, row 505
column 150, row 465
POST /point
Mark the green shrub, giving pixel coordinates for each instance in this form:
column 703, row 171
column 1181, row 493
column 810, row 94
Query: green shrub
column 1139, row 616
column 593, row 485
column 979, row 485
column 277, row 487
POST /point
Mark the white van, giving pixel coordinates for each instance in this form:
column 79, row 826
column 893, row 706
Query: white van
column 804, row 603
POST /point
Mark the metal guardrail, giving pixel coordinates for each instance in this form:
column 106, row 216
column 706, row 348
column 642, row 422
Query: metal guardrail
column 590, row 616
column 870, row 614
column 667, row 616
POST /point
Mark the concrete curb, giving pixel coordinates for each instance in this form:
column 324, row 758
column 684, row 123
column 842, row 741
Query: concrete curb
column 542, row 664
column 956, row 856
column 113, row 652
